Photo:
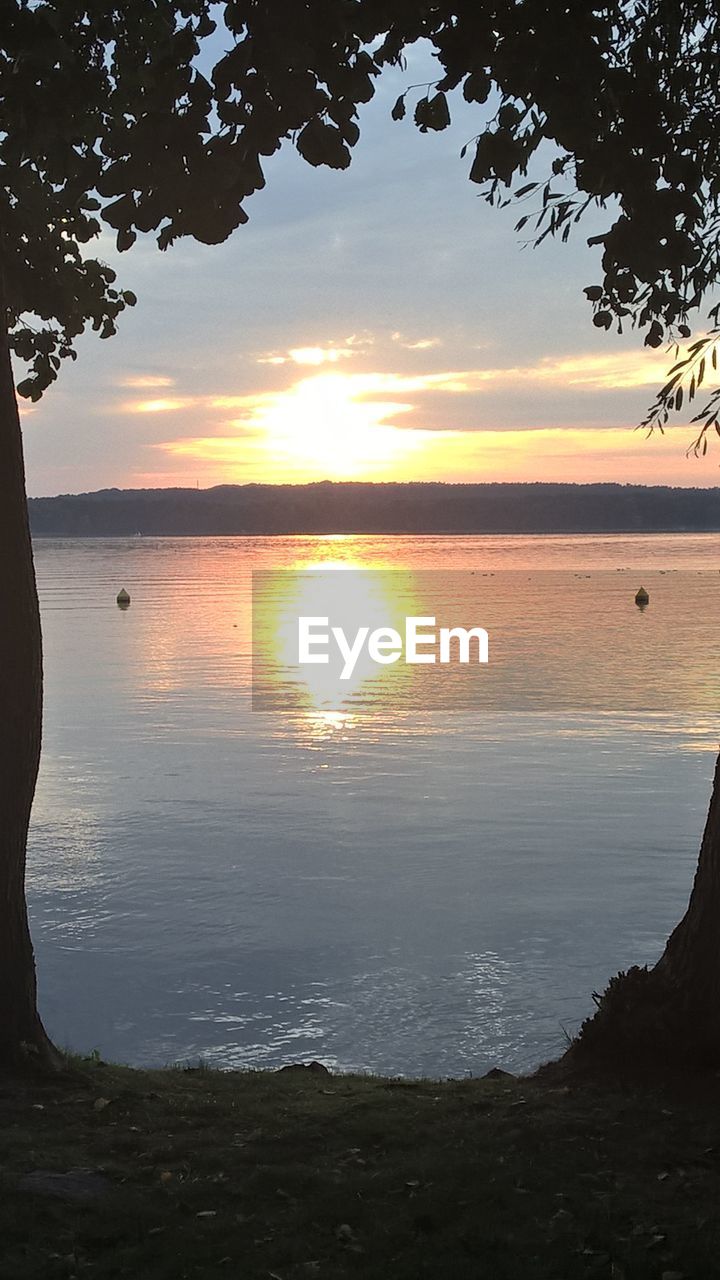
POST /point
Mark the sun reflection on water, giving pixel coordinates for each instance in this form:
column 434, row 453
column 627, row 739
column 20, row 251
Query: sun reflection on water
column 372, row 598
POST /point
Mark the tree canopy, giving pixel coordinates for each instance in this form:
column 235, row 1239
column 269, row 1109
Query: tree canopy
column 157, row 117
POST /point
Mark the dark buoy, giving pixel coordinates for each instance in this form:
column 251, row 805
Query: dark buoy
column 123, row 599
column 642, row 598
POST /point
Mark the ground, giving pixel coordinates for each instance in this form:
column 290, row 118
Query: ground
column 269, row 1176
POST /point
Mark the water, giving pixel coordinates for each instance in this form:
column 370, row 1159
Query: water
column 424, row 892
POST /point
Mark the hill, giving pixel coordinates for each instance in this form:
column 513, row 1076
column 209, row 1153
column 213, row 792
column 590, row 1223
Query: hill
column 328, row 507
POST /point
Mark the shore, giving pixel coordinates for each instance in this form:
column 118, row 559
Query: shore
column 283, row 1175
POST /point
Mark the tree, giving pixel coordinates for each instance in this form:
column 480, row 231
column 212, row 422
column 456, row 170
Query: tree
column 671, row 1013
column 156, row 117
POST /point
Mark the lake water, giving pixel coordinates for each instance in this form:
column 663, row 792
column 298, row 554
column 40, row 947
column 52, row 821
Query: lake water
column 409, row 890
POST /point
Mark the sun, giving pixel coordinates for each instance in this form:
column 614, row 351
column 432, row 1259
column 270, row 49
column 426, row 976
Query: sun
column 330, row 424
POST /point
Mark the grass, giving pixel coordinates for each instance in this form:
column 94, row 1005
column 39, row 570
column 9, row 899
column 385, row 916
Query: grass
column 289, row 1176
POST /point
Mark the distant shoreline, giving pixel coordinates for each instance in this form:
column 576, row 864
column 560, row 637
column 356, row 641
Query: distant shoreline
column 395, row 533
column 387, row 509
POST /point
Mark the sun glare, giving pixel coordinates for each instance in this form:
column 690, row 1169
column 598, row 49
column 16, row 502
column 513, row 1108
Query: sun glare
column 325, row 425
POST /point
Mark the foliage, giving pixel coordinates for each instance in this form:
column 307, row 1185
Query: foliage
column 158, row 117
column 684, row 380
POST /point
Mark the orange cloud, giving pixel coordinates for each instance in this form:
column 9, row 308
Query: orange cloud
column 341, row 423
column 327, row 423
column 329, row 353
column 162, row 405
column 146, row 380
column 552, row 454
column 319, row 355
column 620, row 371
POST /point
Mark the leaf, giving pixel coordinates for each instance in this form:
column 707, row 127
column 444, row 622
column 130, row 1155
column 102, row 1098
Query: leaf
column 398, row 111
column 440, row 112
column 477, row 87
column 321, row 143
column 432, row 113
column 481, row 167
column 120, row 213
column 350, row 132
column 654, row 336
column 509, row 116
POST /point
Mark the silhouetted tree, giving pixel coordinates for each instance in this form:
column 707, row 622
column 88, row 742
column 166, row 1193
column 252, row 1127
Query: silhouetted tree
column 150, row 118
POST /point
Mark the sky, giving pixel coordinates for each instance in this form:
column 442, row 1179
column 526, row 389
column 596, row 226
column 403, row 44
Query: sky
column 381, row 323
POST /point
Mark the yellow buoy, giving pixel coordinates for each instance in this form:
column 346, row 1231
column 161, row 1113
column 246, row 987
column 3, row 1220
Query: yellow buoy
column 123, row 599
column 642, row 598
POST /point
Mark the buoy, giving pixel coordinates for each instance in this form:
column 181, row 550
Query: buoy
column 642, row 598
column 123, row 599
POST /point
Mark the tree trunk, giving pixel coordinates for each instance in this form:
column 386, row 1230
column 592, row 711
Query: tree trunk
column 669, row 1015
column 690, row 963
column 22, row 1037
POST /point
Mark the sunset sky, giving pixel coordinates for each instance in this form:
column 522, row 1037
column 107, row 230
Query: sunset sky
column 381, row 323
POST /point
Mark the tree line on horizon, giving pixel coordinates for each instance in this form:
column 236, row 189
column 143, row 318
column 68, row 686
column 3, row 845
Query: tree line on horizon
column 355, row 507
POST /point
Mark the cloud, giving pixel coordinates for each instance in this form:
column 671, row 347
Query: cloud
column 329, row 388
column 551, row 455
column 160, row 405
column 319, row 355
column 619, row 371
column 331, row 418
column 615, row 371
column 146, row 380
column 391, row 394
column 329, row 353
column 419, row 344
